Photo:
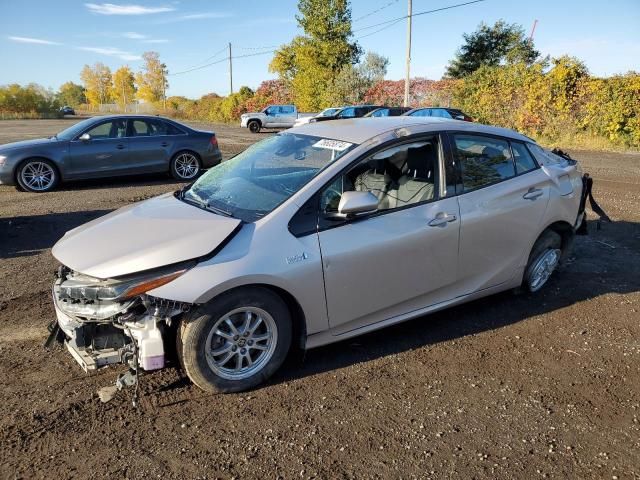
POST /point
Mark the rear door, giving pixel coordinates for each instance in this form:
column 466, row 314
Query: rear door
column 502, row 205
column 105, row 153
column 149, row 145
column 401, row 258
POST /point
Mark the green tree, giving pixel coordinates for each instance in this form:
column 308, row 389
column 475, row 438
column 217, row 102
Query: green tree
column 152, row 81
column 97, row 83
column 311, row 61
column 71, row 94
column 502, row 43
column 352, row 83
column 123, row 89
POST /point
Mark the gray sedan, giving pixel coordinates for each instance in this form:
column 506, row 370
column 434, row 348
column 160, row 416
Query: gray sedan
column 109, row 146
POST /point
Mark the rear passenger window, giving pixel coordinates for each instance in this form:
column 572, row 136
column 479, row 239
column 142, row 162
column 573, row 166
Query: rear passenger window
column 523, row 159
column 482, row 160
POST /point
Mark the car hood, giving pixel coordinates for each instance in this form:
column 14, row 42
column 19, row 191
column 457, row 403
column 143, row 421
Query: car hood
column 27, row 143
column 150, row 234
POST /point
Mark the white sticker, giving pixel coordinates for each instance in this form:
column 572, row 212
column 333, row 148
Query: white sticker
column 336, row 145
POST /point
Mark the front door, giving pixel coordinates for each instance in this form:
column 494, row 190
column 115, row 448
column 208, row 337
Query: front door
column 104, row 153
column 401, row 258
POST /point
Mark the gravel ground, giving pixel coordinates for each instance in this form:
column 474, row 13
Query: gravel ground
column 504, row 387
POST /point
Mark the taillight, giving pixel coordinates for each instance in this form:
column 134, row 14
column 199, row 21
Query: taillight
column 213, row 141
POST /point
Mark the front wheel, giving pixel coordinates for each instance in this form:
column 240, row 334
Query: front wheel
column 254, row 126
column 37, row 175
column 185, row 166
column 235, row 342
column 544, row 259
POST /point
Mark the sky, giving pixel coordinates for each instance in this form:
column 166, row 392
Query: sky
column 48, row 42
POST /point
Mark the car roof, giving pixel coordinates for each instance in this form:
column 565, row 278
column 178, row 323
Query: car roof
column 359, row 130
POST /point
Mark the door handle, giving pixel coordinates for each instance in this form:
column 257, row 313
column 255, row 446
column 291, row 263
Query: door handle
column 164, row 144
column 442, row 219
column 120, row 146
column 532, row 194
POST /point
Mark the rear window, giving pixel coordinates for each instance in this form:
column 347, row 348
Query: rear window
column 483, row 160
column 523, row 159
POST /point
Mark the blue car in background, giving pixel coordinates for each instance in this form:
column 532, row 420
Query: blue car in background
column 108, row 146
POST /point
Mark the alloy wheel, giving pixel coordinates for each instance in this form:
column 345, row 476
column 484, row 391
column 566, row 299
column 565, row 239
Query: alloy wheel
column 186, row 165
column 543, row 268
column 38, row 176
column 241, row 343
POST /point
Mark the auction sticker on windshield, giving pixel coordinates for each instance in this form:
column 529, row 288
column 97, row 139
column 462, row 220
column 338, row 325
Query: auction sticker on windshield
column 336, row 145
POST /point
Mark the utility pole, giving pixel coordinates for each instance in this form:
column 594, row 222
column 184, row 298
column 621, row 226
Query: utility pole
column 408, row 72
column 533, row 29
column 230, row 70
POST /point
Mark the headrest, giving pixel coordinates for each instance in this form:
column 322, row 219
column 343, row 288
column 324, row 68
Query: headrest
column 377, row 164
column 420, row 161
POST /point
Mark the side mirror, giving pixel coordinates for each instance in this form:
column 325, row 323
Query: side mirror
column 85, row 137
column 354, row 203
column 459, row 117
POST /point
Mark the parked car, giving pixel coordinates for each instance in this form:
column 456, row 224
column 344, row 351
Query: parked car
column 388, row 112
column 451, row 113
column 354, row 111
column 310, row 237
column 67, row 110
column 109, row 146
column 274, row 116
column 327, row 112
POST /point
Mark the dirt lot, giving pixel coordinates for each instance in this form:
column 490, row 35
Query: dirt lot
column 505, row 387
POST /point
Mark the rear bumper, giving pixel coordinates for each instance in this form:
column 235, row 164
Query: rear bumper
column 211, row 158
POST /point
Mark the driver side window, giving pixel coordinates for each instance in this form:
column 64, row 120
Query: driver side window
column 398, row 176
column 114, row 129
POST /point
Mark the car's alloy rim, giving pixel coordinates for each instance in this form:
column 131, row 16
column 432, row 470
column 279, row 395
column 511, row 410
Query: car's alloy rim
column 543, row 268
column 187, row 165
column 38, row 176
column 253, row 127
column 241, row 343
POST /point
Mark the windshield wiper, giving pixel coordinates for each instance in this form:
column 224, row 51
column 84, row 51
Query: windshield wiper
column 218, row 210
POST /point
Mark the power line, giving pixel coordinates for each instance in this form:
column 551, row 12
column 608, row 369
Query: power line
column 375, row 11
column 225, row 59
column 385, row 25
column 418, row 14
column 379, row 30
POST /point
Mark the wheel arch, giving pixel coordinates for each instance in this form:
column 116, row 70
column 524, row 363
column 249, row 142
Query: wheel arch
column 253, row 119
column 298, row 317
column 567, row 235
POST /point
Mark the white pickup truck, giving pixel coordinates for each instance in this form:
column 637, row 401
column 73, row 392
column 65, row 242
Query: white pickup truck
column 274, row 116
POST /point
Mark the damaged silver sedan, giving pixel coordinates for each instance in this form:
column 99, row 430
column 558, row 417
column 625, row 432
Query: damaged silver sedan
column 312, row 236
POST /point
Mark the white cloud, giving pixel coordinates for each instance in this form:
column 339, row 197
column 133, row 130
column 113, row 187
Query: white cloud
column 196, row 16
column 113, row 9
column 134, row 35
column 112, row 52
column 38, row 41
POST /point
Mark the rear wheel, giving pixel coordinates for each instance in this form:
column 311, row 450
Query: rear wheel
column 543, row 261
column 254, row 126
column 37, row 175
column 237, row 341
column 185, row 166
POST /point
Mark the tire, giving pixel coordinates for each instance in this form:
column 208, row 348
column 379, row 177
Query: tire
column 185, row 166
column 544, row 259
column 209, row 349
column 254, row 126
column 37, row 175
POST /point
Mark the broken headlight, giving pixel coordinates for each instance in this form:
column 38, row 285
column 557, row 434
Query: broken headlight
column 96, row 299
